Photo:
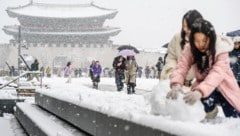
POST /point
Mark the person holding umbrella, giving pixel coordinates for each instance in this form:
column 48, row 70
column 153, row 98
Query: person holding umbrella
column 119, row 67
column 130, row 66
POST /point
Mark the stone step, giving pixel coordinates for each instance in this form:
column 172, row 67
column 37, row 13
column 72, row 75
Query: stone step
column 7, row 105
column 26, row 91
column 94, row 122
column 38, row 122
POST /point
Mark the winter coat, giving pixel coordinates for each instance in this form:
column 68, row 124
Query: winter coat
column 67, row 71
column 235, row 63
column 220, row 75
column 173, row 54
column 34, row 66
column 91, row 71
column 131, row 72
column 159, row 65
column 119, row 68
column 97, row 70
column 48, row 70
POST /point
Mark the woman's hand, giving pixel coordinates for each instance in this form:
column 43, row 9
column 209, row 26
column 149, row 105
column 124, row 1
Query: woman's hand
column 191, row 97
column 173, row 94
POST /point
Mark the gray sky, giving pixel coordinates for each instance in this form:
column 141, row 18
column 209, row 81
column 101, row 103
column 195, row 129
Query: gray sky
column 151, row 23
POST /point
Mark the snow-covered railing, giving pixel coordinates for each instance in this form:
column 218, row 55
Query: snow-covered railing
column 21, row 75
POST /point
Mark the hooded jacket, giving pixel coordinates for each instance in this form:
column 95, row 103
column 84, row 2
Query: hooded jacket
column 220, row 75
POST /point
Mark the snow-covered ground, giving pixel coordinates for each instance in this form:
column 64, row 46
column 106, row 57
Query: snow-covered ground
column 10, row 127
column 147, row 107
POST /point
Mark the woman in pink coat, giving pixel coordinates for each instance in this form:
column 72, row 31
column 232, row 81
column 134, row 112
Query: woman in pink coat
column 215, row 83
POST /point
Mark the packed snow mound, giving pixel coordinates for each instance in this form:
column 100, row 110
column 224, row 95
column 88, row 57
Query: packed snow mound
column 175, row 109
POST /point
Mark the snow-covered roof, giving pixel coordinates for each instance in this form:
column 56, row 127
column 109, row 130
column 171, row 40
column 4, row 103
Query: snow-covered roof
column 64, row 2
column 61, row 9
column 14, row 30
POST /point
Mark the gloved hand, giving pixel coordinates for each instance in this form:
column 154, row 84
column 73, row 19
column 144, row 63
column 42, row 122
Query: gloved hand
column 191, row 97
column 119, row 63
column 95, row 75
column 173, row 94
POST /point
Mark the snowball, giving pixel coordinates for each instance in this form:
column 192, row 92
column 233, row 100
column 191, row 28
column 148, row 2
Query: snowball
column 176, row 109
column 157, row 98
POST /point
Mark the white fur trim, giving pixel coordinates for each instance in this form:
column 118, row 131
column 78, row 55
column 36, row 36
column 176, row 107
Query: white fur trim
column 223, row 44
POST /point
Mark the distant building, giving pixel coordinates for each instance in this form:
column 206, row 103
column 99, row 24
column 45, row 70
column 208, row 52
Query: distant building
column 59, row 32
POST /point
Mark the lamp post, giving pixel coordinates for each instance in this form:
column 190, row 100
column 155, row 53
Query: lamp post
column 19, row 48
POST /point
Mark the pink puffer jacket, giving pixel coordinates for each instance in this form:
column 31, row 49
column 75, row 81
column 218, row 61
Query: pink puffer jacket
column 220, row 74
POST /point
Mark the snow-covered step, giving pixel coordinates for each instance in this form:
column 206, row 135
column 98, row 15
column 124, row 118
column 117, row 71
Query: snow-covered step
column 7, row 105
column 38, row 122
column 94, row 122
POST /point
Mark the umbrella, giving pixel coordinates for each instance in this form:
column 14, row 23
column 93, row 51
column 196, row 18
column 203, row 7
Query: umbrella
column 129, row 47
column 126, row 52
column 234, row 33
column 165, row 45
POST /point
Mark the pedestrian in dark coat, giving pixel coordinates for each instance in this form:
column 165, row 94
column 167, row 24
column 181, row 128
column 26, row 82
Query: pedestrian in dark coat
column 235, row 59
column 119, row 67
column 159, row 66
column 34, row 67
column 90, row 69
column 12, row 71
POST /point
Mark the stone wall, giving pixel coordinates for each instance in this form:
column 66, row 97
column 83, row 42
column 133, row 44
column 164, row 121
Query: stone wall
column 79, row 56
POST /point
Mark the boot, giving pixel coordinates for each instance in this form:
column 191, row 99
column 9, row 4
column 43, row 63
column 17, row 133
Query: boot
column 211, row 115
column 133, row 88
column 128, row 89
column 96, row 85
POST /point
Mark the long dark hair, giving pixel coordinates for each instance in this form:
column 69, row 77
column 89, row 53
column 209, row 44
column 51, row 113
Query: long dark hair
column 69, row 63
column 190, row 17
column 205, row 27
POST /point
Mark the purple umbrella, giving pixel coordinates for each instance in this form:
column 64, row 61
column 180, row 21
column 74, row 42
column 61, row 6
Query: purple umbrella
column 126, row 52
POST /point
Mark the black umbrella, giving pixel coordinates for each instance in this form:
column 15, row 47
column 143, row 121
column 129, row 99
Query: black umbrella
column 140, row 67
column 234, row 33
column 129, row 47
column 165, row 45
